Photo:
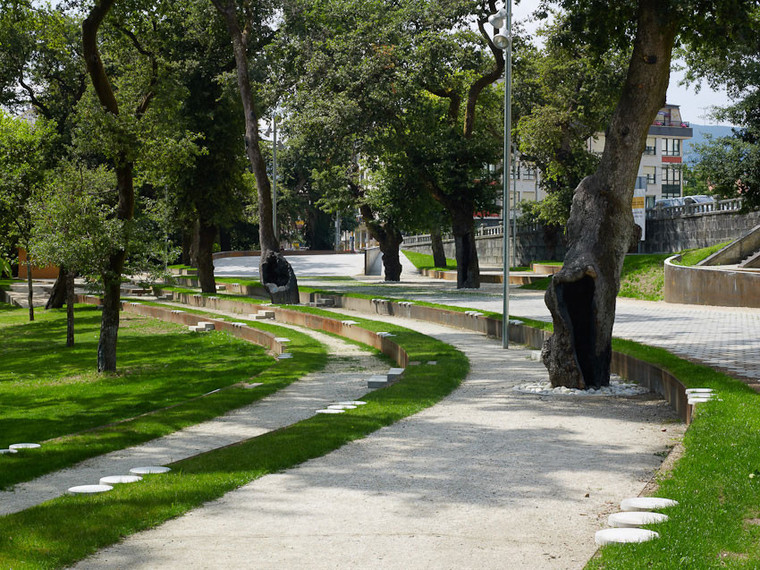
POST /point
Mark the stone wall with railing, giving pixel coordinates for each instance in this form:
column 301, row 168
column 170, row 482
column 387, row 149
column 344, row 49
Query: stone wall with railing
column 668, row 230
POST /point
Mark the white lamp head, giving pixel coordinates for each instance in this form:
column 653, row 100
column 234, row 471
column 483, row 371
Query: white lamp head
column 497, row 20
column 501, row 41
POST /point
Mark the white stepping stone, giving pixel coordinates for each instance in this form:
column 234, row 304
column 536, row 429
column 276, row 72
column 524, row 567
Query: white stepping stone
column 89, row 489
column 350, row 323
column 7, row 451
column 119, row 479
column 285, row 355
column 646, row 504
column 341, row 407
column 515, row 322
column 624, row 535
column 17, row 446
column 352, row 403
column 385, row 334
column 635, row 519
column 432, row 362
column 699, row 390
column 330, row 411
column 149, row 470
column 281, row 339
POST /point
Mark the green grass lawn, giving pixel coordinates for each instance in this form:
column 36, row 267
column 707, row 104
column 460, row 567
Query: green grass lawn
column 694, row 256
column 64, row 530
column 425, row 261
column 52, row 393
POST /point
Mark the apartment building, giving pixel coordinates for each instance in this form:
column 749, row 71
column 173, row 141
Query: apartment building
column 659, row 169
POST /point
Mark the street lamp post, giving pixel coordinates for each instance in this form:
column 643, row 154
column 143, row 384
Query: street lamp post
column 503, row 41
column 274, row 176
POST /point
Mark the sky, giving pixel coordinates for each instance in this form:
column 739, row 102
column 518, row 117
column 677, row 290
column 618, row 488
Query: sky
column 695, row 106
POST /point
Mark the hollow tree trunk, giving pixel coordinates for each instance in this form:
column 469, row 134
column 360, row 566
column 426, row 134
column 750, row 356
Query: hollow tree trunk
column 205, row 261
column 468, row 268
column 582, row 295
column 58, row 295
column 275, row 272
column 436, row 242
column 69, row 308
column 29, row 289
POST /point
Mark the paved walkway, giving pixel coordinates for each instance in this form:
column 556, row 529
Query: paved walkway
column 726, row 338
column 488, row 478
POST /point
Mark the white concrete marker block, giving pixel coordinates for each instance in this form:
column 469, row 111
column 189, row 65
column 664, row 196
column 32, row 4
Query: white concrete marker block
column 340, row 407
column 699, row 399
column 329, row 411
column 352, row 403
column 7, row 451
column 89, row 489
column 623, row 535
column 17, row 446
column 646, row 504
column 284, row 355
column 119, row 479
column 385, row 334
column 635, row 519
column 350, row 323
column 699, row 390
column 515, row 322
column 149, row 470
column 395, row 373
column 432, row 362
column 377, row 381
column 281, row 339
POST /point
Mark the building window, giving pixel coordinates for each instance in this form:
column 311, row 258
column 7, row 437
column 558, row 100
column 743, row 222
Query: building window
column 515, row 174
column 651, row 148
column 650, row 172
column 671, row 147
column 671, row 181
column 528, row 172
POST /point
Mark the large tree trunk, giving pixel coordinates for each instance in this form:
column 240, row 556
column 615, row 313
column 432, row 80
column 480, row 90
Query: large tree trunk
column 582, row 295
column 29, row 287
column 69, row 308
column 468, row 268
column 109, row 326
column 389, row 238
column 275, row 271
column 436, row 243
column 58, row 295
column 206, row 238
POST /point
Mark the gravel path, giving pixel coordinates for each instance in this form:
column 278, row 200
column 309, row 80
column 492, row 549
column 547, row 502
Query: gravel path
column 344, row 378
column 488, row 478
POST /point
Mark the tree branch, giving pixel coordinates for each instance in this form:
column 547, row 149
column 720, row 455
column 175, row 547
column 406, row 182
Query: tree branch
column 485, row 80
column 36, row 102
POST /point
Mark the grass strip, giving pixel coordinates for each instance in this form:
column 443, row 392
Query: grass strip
column 690, row 257
column 158, row 378
column 717, row 481
column 425, row 261
column 60, row 532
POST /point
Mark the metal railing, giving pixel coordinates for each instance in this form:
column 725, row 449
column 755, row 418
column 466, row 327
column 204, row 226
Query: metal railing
column 732, row 205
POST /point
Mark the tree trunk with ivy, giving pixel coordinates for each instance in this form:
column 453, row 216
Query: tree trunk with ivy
column 582, row 295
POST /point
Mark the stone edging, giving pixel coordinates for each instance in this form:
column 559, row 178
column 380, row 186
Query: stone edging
column 262, row 338
column 696, row 285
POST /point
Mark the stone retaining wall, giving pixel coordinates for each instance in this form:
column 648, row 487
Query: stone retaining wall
column 706, row 286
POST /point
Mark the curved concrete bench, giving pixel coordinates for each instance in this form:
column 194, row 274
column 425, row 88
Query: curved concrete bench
column 699, row 285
